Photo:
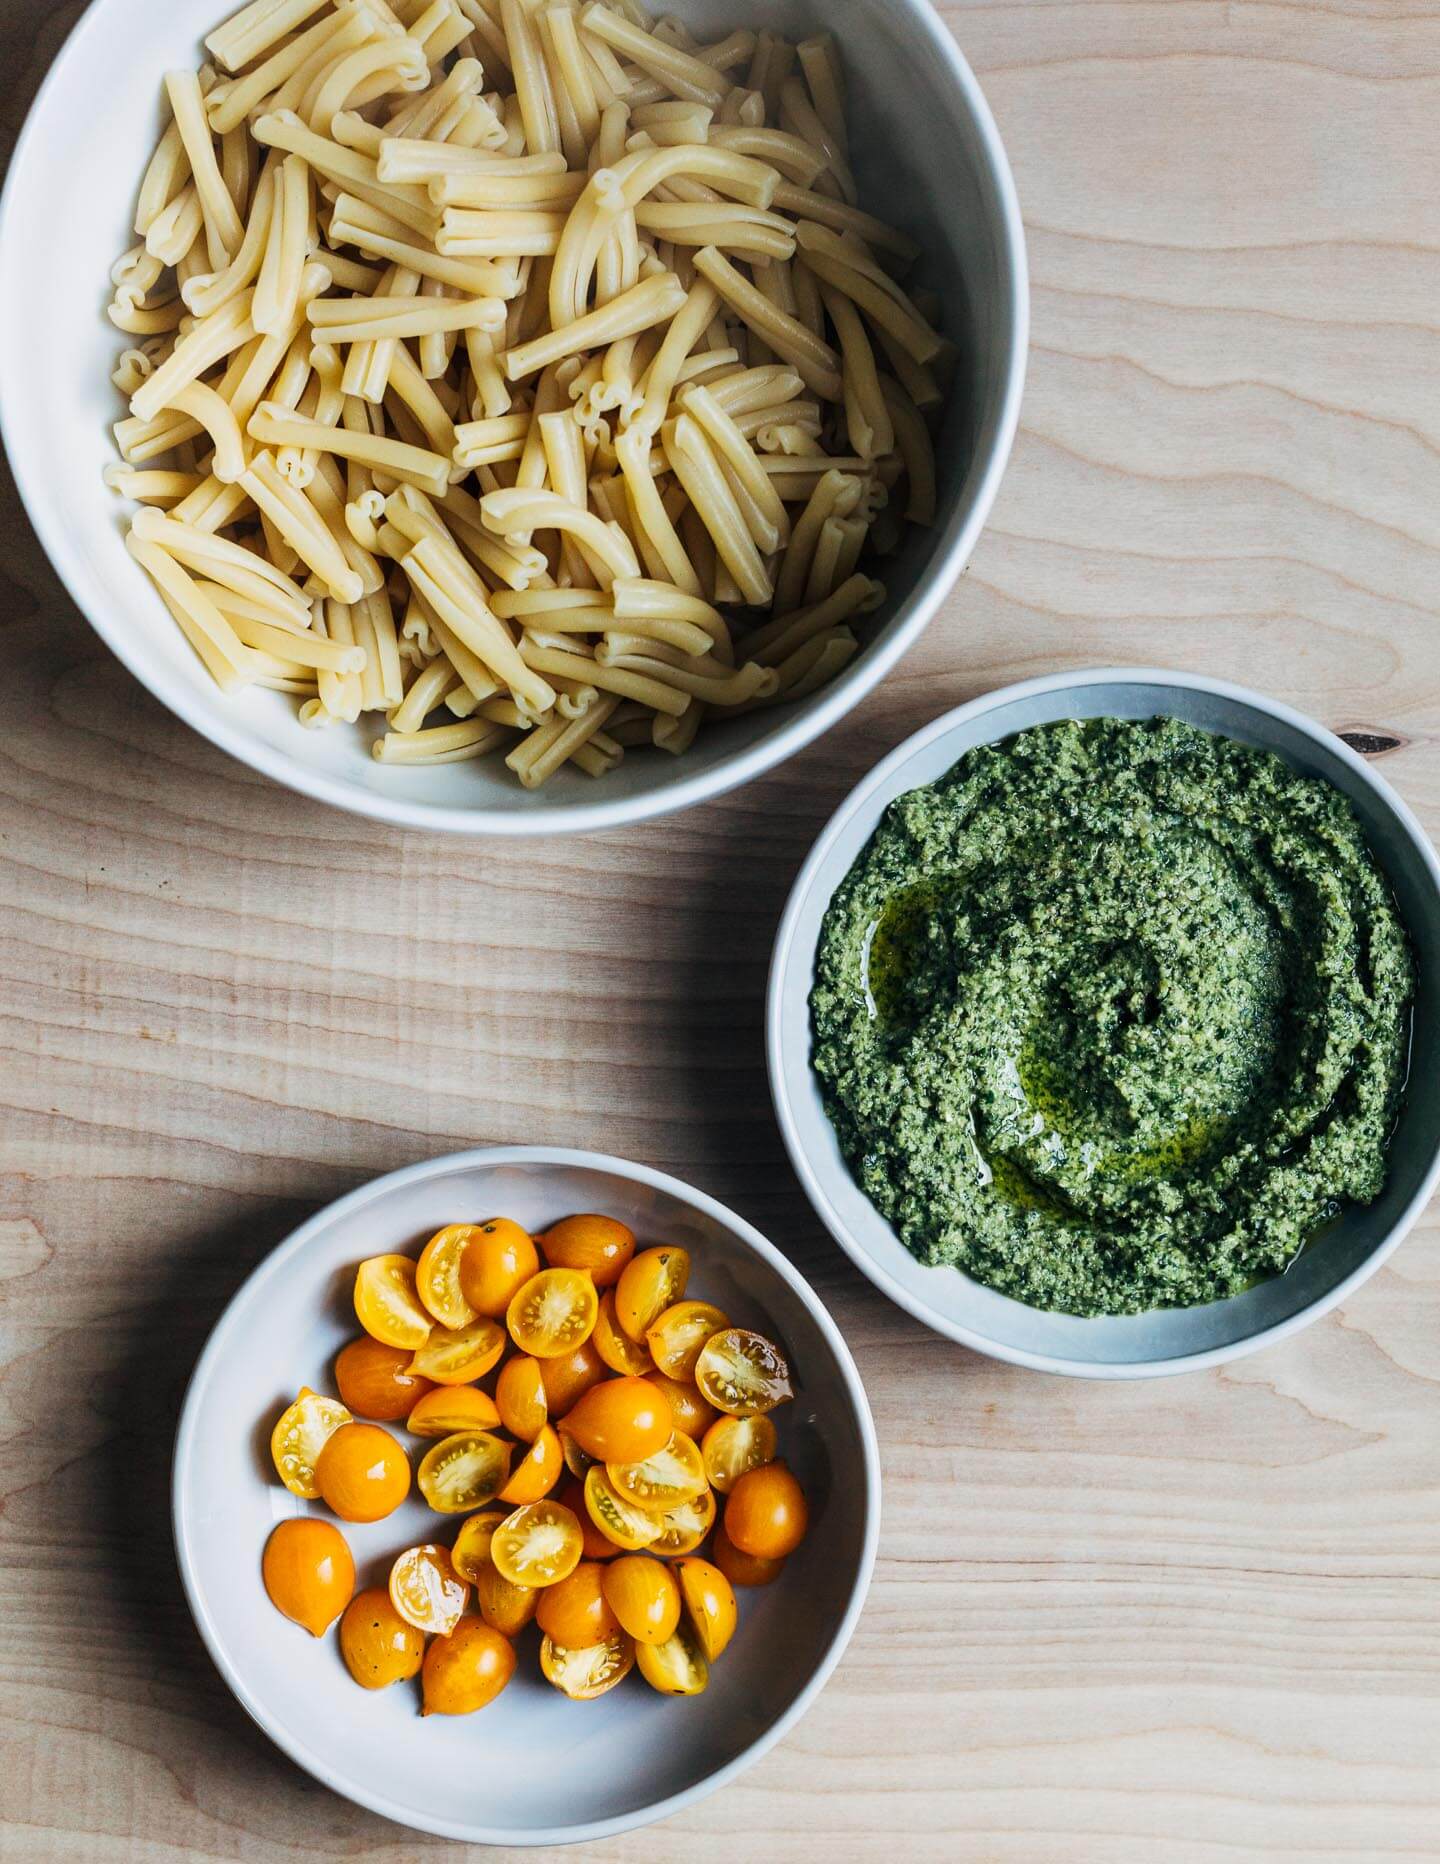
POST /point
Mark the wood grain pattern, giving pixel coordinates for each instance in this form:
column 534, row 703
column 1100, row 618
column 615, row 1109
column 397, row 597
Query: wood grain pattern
column 1190, row 1621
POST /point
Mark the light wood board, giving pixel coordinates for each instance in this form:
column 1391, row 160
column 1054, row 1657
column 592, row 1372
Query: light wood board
column 1195, row 1620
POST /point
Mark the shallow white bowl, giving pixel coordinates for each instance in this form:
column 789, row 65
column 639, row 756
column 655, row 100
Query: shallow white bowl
column 493, row 1778
column 1172, row 1339
column 928, row 154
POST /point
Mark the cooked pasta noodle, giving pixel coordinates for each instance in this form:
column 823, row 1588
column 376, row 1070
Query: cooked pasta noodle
column 517, row 378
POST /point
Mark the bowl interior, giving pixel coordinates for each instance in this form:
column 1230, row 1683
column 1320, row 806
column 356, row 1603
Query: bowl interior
column 949, row 1299
column 493, row 1776
column 923, row 157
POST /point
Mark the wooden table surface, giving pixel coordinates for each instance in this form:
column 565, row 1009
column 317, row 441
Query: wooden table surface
column 1198, row 1619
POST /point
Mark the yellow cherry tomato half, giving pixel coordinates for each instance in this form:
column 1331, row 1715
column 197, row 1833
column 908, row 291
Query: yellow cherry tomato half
column 652, row 1281
column 426, row 1590
column 644, row 1596
column 362, row 1473
column 621, row 1522
column 742, row 1372
column 678, row 1666
column 537, row 1472
column 664, row 1480
column 499, row 1259
column 683, row 1527
column 308, row 1572
column 553, row 1313
column 765, row 1513
column 437, row 1276
column 440, row 1413
column 569, row 1375
column 466, row 1670
column 457, row 1358
column 520, row 1396
column 691, row 1413
column 621, row 1421
column 600, row 1245
column 733, row 1445
column 584, row 1674
column 709, row 1603
column 375, row 1380
column 676, row 1336
column 594, row 1544
column 470, row 1551
column 463, row 1472
column 538, row 1545
column 502, row 1604
column 378, row 1645
column 615, row 1347
column 573, row 1612
column 386, row 1304
column 743, row 1569
column 300, row 1434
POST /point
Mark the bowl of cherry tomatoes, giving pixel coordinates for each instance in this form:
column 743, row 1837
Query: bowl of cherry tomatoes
column 514, row 1451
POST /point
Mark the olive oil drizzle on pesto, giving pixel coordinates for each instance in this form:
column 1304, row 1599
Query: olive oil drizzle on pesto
column 1114, row 1016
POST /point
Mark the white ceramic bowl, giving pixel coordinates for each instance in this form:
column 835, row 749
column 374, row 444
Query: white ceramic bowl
column 1174, row 1339
column 928, row 153
column 493, row 1778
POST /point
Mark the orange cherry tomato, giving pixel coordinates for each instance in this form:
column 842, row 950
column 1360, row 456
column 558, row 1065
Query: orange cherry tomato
column 574, row 1612
column 362, row 1473
column 742, row 1569
column 661, row 1482
column 765, row 1513
column 678, row 1666
column 599, row 1245
column 426, row 1590
column 734, row 1444
column 308, row 1572
column 440, row 1413
column 463, row 1472
column 676, row 1336
column 386, row 1304
column 437, row 1276
column 378, row 1645
column 615, row 1347
column 644, row 1596
column 683, row 1527
column 470, row 1553
column 620, row 1521
column 538, row 1545
column 466, row 1670
column 520, row 1396
column 621, row 1421
column 692, row 1414
column 553, row 1313
column 537, row 1472
column 594, row 1544
column 709, row 1602
column 742, row 1372
column 457, row 1358
column 586, row 1673
column 506, row 1607
column 651, row 1282
column 375, row 1380
column 499, row 1259
column 570, row 1374
column 300, row 1434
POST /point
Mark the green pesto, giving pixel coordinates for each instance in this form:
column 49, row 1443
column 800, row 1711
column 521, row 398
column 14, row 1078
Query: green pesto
column 1114, row 1016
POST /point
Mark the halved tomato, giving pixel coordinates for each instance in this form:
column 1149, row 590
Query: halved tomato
column 463, row 1472
column 538, row 1545
column 621, row 1420
column 573, row 1611
column 599, row 1245
column 596, row 1545
column 470, row 1552
column 678, row 1666
column 375, row 1380
column 553, row 1313
column 440, row 1413
column 502, row 1604
column 683, row 1527
column 455, row 1358
column 664, row 1480
column 676, row 1336
column 466, row 1670
column 620, row 1521
column 538, row 1470
column 498, row 1259
column 386, row 1304
column 652, row 1281
column 614, row 1345
column 644, row 1595
column 520, row 1396
column 569, row 1375
column 426, row 1590
column 734, row 1444
column 300, row 1434
column 742, row 1372
column 710, row 1602
column 437, row 1275
column 584, row 1674
column 692, row 1414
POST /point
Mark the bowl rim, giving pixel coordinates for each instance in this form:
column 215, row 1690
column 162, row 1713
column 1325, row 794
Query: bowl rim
column 784, row 956
column 953, row 547
column 489, row 1158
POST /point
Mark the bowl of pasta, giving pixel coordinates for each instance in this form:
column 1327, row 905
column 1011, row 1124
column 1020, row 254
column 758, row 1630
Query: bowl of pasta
column 503, row 416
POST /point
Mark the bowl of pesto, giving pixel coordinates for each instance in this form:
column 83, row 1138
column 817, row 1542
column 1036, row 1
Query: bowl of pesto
column 1091, row 1018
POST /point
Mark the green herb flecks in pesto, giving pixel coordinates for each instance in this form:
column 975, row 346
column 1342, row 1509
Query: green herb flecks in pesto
column 1114, row 1016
